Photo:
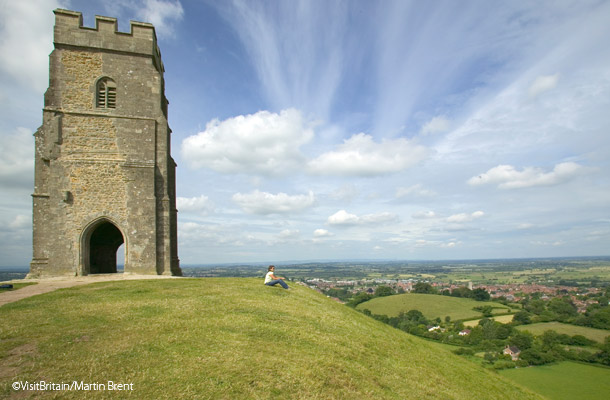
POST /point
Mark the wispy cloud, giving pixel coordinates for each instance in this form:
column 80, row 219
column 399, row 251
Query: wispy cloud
column 264, row 203
column 343, row 218
column 295, row 48
column 424, row 215
column 415, row 191
column 542, row 84
column 163, row 14
column 508, row 177
column 360, row 155
column 435, row 125
column 464, row 217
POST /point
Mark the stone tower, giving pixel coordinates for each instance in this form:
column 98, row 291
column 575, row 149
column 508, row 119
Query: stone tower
column 104, row 176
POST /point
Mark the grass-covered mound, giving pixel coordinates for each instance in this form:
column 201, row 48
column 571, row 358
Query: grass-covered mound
column 431, row 305
column 225, row 338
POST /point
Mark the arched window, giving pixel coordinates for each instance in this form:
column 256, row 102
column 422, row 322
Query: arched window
column 106, row 93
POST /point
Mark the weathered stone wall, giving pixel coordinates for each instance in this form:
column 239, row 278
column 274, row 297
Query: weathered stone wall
column 97, row 164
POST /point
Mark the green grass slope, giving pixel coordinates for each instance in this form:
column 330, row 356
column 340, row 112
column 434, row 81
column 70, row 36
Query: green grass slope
column 225, row 339
column 430, row 305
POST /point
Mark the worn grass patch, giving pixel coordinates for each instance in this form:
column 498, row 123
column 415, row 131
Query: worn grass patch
column 224, row 338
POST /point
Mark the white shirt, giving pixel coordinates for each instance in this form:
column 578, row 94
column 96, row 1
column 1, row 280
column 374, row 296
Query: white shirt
column 268, row 277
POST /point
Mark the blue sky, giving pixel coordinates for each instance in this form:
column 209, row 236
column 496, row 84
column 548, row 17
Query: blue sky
column 354, row 129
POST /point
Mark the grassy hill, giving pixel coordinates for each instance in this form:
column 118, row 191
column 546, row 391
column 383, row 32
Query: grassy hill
column 598, row 335
column 430, row 305
column 224, row 338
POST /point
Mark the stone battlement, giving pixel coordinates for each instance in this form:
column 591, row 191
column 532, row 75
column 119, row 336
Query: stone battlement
column 142, row 39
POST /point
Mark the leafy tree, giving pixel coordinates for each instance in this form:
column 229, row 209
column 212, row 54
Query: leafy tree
column 563, row 308
column 342, row 294
column 480, row 294
column 549, row 339
column 522, row 340
column 423, row 287
column 461, row 291
column 359, row 298
column 490, row 357
column 580, row 340
column 534, row 356
column 604, row 355
column 487, row 311
column 601, row 318
column 383, row 291
column 416, row 315
column 522, row 318
column 535, row 306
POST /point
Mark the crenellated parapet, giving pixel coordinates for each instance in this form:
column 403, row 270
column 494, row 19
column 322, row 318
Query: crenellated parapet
column 142, row 39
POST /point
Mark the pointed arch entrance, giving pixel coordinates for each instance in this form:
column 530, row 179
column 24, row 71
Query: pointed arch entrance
column 100, row 244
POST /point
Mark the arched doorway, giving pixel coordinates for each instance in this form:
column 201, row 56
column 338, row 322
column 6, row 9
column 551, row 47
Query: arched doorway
column 103, row 243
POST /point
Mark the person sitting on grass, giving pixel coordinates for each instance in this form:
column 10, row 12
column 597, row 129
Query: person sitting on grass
column 271, row 279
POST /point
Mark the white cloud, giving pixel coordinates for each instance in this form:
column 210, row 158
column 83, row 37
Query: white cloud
column 345, row 193
column 264, row 143
column 319, row 233
column 463, row 217
column 424, row 215
column 198, row 205
column 17, row 159
column 162, row 14
column 21, row 222
column 413, row 191
column 507, row 177
column 435, row 125
column 525, row 226
column 360, row 155
column 542, row 84
column 289, row 234
column 26, row 40
column 343, row 218
column 266, row 203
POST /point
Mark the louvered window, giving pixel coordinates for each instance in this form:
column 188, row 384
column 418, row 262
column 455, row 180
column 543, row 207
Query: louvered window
column 106, row 93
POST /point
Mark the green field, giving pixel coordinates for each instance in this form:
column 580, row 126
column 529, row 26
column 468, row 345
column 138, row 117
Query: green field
column 224, row 338
column 430, row 305
column 566, row 380
column 503, row 319
column 591, row 333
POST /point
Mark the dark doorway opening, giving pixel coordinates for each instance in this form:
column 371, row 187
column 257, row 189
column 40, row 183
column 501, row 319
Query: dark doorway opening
column 103, row 245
